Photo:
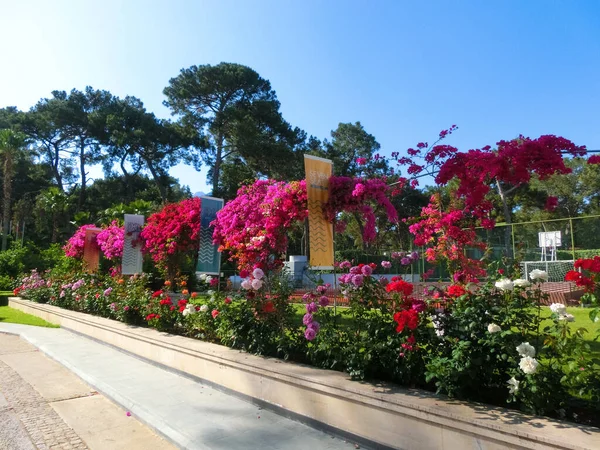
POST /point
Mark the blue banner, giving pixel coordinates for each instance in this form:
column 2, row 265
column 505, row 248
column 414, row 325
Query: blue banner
column 209, row 258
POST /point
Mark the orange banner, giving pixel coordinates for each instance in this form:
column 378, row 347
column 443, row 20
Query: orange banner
column 320, row 231
column 91, row 251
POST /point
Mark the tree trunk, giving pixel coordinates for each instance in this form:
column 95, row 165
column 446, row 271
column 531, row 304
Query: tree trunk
column 81, row 201
column 158, row 180
column 217, row 167
column 56, row 169
column 507, row 219
column 8, row 176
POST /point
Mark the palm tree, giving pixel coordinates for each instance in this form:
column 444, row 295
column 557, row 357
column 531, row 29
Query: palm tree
column 11, row 144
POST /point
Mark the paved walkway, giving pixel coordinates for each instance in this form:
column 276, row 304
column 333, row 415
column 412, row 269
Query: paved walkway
column 190, row 414
column 45, row 406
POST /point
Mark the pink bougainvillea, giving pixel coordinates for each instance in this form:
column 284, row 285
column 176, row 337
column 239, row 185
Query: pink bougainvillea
column 358, row 195
column 253, row 226
column 74, row 246
column 172, row 233
column 110, row 240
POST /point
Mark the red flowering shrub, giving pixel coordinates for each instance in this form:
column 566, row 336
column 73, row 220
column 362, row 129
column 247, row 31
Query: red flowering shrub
column 407, row 318
column 172, row 235
column 455, row 290
column 400, row 286
column 253, row 226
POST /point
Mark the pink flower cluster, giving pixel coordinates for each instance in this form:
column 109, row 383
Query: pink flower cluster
column 253, row 226
column 74, row 246
column 358, row 195
column 312, row 306
column 111, row 240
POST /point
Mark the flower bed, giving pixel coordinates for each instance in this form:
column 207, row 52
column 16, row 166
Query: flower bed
column 482, row 344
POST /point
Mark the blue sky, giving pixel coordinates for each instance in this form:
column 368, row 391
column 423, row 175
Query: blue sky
column 405, row 70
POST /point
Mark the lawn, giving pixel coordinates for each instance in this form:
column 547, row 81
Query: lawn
column 11, row 315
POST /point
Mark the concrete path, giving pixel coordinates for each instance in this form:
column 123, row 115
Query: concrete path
column 45, row 406
column 188, row 413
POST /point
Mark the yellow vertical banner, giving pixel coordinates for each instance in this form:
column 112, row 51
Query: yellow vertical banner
column 320, row 231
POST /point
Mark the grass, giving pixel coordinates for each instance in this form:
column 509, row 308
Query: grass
column 11, row 315
column 582, row 320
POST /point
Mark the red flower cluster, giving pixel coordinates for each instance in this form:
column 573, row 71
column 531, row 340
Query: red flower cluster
column 455, row 291
column 400, row 286
column 182, row 304
column 152, row 316
column 408, row 318
column 590, row 280
column 166, row 302
column 171, row 232
column 592, row 265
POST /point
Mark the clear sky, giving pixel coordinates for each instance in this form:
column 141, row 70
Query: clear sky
column 404, row 69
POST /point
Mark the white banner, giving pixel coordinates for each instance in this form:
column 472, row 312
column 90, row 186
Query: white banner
column 132, row 247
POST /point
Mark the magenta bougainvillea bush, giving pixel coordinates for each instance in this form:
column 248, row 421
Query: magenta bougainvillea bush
column 172, row 234
column 110, row 240
column 253, row 227
column 357, row 195
column 74, row 246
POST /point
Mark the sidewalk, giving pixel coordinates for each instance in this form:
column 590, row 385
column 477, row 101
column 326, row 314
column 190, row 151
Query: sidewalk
column 188, row 413
column 45, row 406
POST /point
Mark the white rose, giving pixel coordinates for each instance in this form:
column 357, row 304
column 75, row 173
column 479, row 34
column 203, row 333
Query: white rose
column 203, row 277
column 537, row 274
column 204, row 308
column 521, row 283
column 558, row 308
column 256, row 284
column 505, row 284
column 208, row 279
column 525, row 349
column 189, row 309
column 567, row 317
column 246, row 284
column 493, row 328
column 528, row 364
column 513, row 385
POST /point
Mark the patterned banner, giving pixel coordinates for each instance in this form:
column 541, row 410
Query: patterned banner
column 132, row 247
column 318, row 172
column 209, row 258
column 91, row 251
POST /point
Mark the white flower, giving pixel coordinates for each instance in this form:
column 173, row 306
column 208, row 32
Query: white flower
column 493, row 328
column 567, row 317
column 513, row 385
column 528, row 364
column 505, row 284
column 525, row 349
column 208, row 279
column 558, row 308
column 538, row 275
column 521, row 283
column 189, row 309
column 203, row 277
column 256, row 284
column 246, row 284
column 258, row 273
column 210, row 292
column 204, row 308
column 437, row 326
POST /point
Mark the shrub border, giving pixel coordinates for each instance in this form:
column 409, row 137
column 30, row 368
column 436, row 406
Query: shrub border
column 377, row 415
